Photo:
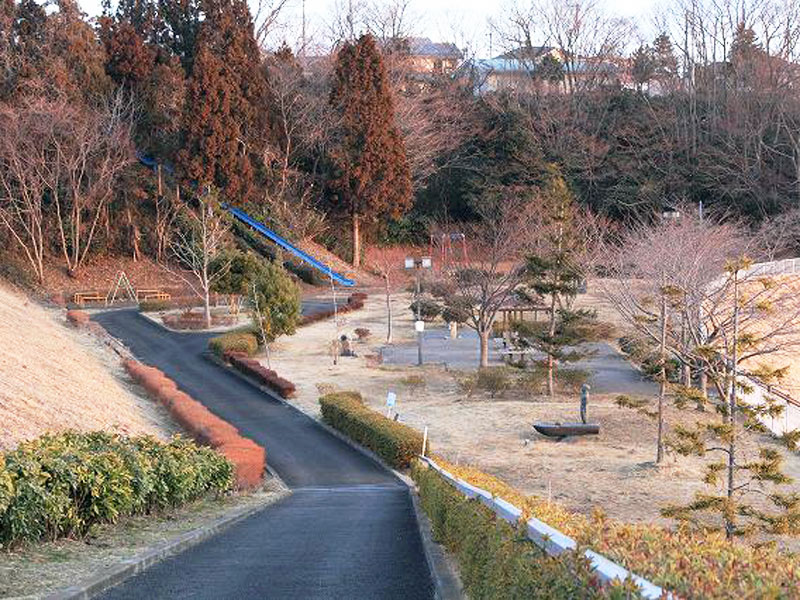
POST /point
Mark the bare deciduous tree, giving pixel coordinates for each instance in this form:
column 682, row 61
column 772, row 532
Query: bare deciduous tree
column 498, row 247
column 198, row 240
column 25, row 133
column 89, row 152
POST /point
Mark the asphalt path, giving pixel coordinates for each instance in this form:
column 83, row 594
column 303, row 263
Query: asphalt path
column 347, row 531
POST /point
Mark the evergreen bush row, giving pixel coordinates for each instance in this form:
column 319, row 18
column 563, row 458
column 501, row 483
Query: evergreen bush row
column 251, row 367
column 62, row 485
column 394, row 442
column 243, row 342
column 496, row 561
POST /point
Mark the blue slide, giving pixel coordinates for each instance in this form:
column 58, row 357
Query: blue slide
column 263, row 230
column 274, row 237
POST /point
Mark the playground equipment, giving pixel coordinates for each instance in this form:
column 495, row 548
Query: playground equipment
column 258, row 226
column 242, row 216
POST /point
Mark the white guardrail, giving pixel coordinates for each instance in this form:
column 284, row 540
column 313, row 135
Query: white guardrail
column 549, row 539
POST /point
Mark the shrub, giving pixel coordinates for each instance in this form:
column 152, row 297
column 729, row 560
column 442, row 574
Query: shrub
column 305, row 273
column 154, row 305
column 395, row 442
column 253, row 368
column 571, row 380
column 494, row 380
column 428, row 309
column 415, row 382
column 688, row 563
column 497, row 561
column 354, row 302
column 362, row 333
column 203, row 425
column 234, row 341
column 64, row 484
column 78, row 318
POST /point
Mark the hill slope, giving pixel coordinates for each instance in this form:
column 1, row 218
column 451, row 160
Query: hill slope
column 53, row 378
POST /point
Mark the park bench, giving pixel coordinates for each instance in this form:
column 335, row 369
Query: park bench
column 81, row 298
column 145, row 295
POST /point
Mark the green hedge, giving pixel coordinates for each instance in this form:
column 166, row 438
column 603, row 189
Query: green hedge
column 235, row 341
column 61, row 485
column 396, row 443
column 497, row 561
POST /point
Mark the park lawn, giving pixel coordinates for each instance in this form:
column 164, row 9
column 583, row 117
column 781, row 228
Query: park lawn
column 614, row 471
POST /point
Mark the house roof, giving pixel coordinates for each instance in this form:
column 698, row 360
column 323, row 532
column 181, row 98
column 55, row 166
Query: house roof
column 526, row 52
column 419, row 46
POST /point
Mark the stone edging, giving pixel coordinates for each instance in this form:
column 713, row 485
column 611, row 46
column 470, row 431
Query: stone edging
column 109, row 577
column 445, row 579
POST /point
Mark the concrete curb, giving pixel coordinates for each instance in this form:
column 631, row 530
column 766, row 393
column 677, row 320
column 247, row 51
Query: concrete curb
column 446, row 581
column 105, row 579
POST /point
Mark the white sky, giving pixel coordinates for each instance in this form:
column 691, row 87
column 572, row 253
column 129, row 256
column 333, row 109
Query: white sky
column 465, row 22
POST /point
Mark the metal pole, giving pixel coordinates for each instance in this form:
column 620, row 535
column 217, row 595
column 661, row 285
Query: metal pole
column 419, row 333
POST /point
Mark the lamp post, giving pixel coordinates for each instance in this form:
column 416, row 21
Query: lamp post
column 418, row 264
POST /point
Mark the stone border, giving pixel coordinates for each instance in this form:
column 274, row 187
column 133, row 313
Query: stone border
column 110, row 577
column 447, row 583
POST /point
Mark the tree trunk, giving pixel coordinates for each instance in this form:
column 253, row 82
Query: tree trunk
column 484, row 337
column 551, row 363
column 662, row 386
column 730, row 519
column 207, row 307
column 356, row 241
column 388, row 312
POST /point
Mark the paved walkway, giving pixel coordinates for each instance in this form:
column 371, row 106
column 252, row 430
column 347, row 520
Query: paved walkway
column 611, row 372
column 347, row 531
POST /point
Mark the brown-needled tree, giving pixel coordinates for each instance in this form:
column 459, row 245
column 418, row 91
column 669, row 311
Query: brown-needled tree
column 370, row 169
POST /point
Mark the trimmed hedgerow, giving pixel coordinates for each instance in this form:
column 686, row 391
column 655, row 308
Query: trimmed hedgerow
column 78, row 318
column 395, row 442
column 691, row 564
column 355, row 301
column 62, row 485
column 497, row 561
column 244, row 342
column 248, row 458
column 251, row 367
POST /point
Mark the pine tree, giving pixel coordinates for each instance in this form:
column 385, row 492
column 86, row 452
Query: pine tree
column 371, row 177
column 554, row 272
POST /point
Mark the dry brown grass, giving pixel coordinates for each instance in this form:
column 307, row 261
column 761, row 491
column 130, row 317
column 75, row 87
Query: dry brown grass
column 53, row 377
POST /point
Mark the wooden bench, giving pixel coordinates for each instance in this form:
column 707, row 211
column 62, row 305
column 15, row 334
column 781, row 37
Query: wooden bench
column 144, row 295
column 80, row 298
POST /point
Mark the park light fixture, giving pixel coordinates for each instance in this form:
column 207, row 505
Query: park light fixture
column 418, row 264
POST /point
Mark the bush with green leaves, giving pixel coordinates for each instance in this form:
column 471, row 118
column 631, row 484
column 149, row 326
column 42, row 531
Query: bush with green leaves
column 497, row 561
column 62, row 485
column 276, row 303
column 427, row 309
column 394, row 442
column 245, row 342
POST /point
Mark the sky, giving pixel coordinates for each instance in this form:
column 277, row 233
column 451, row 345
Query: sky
column 465, row 22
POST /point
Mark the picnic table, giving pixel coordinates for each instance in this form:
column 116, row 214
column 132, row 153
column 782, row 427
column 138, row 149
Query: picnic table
column 81, row 298
column 152, row 294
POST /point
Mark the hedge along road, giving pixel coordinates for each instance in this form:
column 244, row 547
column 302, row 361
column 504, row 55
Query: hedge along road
column 347, row 531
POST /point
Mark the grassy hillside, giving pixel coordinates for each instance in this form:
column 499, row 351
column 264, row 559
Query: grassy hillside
column 53, row 377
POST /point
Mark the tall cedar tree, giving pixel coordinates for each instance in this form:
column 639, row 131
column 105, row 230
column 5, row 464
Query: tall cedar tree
column 224, row 120
column 371, row 178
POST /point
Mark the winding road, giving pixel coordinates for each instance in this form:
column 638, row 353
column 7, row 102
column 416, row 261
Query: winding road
column 348, row 530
